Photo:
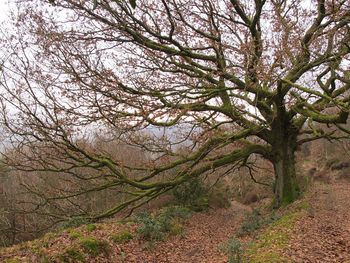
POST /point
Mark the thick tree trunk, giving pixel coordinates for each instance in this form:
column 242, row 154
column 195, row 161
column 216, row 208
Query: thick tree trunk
column 286, row 189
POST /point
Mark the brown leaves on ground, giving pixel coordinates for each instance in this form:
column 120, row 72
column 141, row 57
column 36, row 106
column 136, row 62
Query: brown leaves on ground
column 200, row 242
column 204, row 232
column 324, row 234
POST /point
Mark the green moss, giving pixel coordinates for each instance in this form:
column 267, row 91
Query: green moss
column 254, row 221
column 122, row 237
column 287, row 221
column 73, row 234
column 291, row 193
column 270, row 244
column 91, row 227
column 12, row 260
column 94, row 246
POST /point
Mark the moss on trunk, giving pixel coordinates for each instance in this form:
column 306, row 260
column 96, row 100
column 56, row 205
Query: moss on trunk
column 286, row 188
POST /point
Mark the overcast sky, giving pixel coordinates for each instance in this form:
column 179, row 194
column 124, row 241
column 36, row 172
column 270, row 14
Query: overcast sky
column 3, row 10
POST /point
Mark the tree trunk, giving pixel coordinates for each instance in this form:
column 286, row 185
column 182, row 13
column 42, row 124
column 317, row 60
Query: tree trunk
column 286, row 189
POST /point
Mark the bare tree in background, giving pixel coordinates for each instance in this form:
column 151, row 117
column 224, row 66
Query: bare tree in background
column 228, row 79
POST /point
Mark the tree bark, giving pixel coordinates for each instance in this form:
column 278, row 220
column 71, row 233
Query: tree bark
column 286, row 188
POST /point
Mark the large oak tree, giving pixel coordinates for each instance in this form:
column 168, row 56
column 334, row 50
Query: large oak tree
column 226, row 79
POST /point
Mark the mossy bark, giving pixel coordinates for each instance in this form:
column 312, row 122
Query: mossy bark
column 284, row 146
column 286, row 188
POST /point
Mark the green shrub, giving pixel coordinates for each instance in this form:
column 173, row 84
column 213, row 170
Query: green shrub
column 177, row 211
column 192, row 194
column 155, row 227
column 255, row 221
column 272, row 218
column 251, row 223
column 233, row 249
column 151, row 228
column 72, row 255
column 91, row 227
column 165, row 222
column 122, row 237
column 94, row 246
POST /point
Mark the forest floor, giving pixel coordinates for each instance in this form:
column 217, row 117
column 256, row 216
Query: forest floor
column 323, row 234
column 314, row 229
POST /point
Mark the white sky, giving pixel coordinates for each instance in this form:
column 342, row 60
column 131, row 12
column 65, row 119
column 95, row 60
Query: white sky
column 3, row 10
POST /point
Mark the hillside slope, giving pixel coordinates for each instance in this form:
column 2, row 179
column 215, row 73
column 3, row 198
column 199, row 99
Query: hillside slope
column 314, row 229
column 197, row 243
column 323, row 235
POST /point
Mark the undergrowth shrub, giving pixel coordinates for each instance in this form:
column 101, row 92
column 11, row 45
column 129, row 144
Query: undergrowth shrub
column 150, row 228
column 255, row 221
column 167, row 221
column 94, row 246
column 177, row 229
column 122, row 237
column 251, row 223
column 233, row 249
column 192, row 194
column 72, row 255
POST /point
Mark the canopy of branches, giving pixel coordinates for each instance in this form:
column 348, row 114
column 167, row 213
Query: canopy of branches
column 196, row 86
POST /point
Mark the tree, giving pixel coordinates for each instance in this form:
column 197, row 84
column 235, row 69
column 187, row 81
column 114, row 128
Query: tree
column 227, row 79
